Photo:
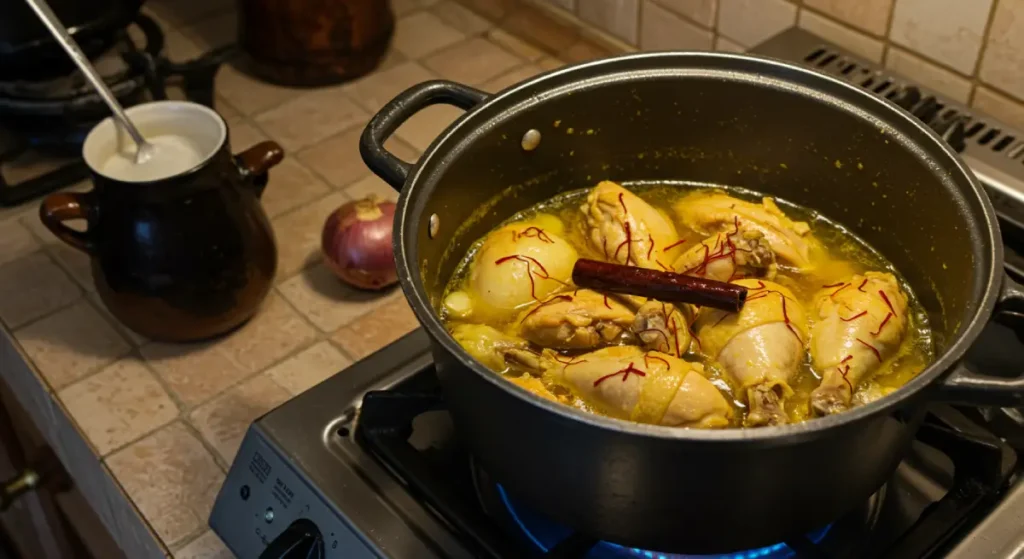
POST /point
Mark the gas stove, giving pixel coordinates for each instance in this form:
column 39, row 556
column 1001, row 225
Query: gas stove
column 367, row 464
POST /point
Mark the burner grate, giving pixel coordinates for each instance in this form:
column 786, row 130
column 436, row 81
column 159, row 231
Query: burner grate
column 387, row 429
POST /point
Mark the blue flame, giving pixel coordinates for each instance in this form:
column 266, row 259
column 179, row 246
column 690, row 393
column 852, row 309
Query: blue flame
column 610, row 550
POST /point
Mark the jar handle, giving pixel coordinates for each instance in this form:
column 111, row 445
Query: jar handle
column 254, row 163
column 62, row 206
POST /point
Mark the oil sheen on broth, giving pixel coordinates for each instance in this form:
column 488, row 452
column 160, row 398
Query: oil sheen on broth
column 829, row 323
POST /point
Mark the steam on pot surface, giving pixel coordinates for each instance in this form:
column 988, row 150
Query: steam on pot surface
column 828, row 324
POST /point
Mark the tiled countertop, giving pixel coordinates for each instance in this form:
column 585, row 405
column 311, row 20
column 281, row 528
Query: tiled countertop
column 148, row 429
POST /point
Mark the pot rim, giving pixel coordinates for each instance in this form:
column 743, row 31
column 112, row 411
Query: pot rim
column 776, row 69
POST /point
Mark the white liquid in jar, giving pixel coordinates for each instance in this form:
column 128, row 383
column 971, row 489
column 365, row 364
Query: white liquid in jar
column 171, row 155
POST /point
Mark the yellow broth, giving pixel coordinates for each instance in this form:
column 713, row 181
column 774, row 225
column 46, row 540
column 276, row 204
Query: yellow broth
column 846, row 254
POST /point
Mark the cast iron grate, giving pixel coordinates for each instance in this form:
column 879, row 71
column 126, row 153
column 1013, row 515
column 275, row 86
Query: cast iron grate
column 983, row 466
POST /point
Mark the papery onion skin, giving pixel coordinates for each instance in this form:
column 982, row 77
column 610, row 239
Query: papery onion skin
column 356, row 243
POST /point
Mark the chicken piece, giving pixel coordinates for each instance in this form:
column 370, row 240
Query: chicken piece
column 625, row 229
column 487, row 344
column 761, row 347
column 648, row 387
column 581, row 319
column 516, row 265
column 739, row 253
column 712, row 212
column 534, row 384
column 859, row 324
column 664, row 327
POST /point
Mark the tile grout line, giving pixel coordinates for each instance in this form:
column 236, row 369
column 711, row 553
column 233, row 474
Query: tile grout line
column 985, row 40
column 131, row 501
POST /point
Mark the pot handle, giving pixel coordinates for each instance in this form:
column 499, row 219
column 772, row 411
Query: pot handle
column 62, row 206
column 964, row 385
column 385, row 164
column 254, row 163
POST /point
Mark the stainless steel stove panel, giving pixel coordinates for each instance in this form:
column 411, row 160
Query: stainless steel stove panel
column 368, row 513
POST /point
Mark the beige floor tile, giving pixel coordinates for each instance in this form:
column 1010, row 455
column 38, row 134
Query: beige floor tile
column 515, row 45
column 373, row 91
column 77, row 263
column 206, row 546
column 376, row 330
column 618, row 17
column 538, row 28
column 338, row 161
column 244, row 134
column 16, row 241
column 223, row 420
column 275, row 332
column 249, row 95
column 514, row 77
column 550, row 63
column 327, row 302
column 371, row 185
column 493, row 10
column 298, row 234
column 118, row 404
column 723, row 44
column 308, row 368
column 132, row 336
column 71, row 343
column 585, row 51
column 198, row 372
column 291, row 185
column 31, row 287
column 427, row 124
column 311, row 117
column 172, row 479
column 193, row 372
column 422, row 33
column 228, row 111
column 461, row 18
column 472, row 62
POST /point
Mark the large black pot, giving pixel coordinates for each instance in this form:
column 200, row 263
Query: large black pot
column 716, row 118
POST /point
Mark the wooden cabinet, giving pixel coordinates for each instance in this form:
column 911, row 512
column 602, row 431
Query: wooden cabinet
column 49, row 519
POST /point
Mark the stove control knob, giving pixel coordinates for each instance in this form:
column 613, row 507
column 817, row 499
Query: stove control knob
column 302, row 539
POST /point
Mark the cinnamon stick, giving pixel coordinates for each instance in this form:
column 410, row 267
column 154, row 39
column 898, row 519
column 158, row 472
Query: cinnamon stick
column 659, row 285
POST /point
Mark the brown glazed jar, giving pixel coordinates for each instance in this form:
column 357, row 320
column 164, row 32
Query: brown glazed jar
column 180, row 258
column 314, row 42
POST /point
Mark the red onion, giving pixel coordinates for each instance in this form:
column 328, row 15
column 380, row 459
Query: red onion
column 356, row 243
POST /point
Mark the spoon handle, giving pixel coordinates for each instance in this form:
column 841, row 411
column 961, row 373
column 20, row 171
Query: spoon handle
column 49, row 19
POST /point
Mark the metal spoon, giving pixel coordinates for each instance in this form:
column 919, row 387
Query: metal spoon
column 49, row 19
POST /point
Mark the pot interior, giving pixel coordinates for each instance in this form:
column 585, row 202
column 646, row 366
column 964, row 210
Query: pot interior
column 719, row 119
